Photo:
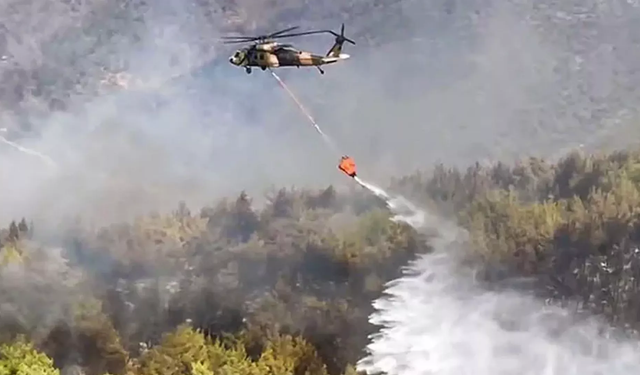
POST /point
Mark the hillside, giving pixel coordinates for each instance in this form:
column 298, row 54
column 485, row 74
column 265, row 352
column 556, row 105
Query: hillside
column 288, row 289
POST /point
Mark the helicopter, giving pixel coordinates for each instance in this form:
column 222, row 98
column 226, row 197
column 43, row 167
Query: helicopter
column 266, row 53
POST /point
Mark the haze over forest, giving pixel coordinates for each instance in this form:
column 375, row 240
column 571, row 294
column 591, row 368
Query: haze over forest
column 195, row 223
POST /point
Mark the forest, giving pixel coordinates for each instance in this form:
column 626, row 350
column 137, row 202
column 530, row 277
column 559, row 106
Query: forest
column 287, row 289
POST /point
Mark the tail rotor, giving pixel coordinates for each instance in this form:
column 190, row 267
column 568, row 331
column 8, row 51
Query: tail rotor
column 336, row 49
column 340, row 38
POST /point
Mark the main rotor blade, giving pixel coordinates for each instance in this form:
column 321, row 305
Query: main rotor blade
column 257, row 36
column 281, row 34
column 238, row 37
column 318, row 32
column 302, row 33
column 282, row 31
column 237, row 41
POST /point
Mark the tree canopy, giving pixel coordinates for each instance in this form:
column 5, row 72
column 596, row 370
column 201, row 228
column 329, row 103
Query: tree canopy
column 288, row 289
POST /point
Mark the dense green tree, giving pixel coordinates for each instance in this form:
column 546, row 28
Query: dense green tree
column 21, row 358
column 287, row 289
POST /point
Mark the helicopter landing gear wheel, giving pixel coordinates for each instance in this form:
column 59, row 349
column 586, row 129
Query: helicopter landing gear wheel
column 263, row 68
column 248, row 70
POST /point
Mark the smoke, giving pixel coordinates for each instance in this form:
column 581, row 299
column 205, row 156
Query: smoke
column 35, row 278
column 447, row 80
column 427, row 81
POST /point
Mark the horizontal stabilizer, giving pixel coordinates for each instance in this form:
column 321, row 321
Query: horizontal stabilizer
column 332, row 59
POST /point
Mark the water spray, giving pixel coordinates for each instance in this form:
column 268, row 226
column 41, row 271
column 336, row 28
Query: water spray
column 25, row 150
column 304, row 111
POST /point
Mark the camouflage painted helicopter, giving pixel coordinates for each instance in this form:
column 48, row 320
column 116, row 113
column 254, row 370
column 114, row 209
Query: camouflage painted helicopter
column 266, row 53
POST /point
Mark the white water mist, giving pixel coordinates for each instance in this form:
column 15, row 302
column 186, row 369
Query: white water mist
column 436, row 320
